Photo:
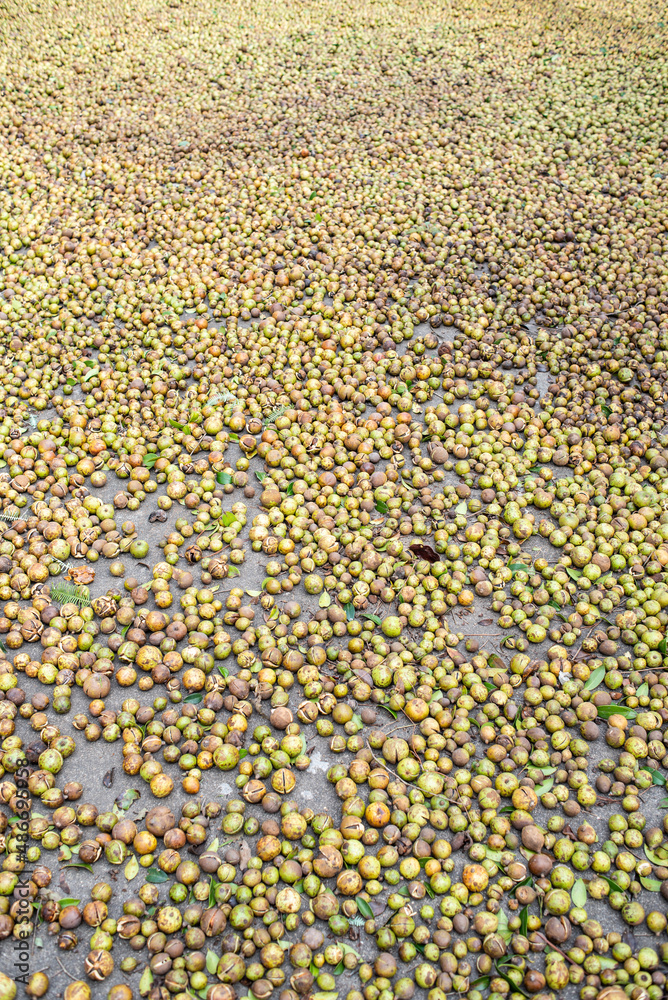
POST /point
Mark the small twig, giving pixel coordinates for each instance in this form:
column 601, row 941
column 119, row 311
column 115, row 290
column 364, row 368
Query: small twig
column 550, row 945
column 404, row 725
column 73, row 978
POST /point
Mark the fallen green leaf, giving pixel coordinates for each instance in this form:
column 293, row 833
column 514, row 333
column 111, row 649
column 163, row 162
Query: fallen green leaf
column 125, row 800
column 651, row 856
column 657, row 777
column 145, row 982
column 194, row 698
column 493, row 855
column 132, row 868
column 544, row 787
column 607, row 963
column 212, row 892
column 594, row 678
column 613, row 885
column 579, row 893
column 156, row 876
column 605, row 711
column 511, row 982
column 503, row 929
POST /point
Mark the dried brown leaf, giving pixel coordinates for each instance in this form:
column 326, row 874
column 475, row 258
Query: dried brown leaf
column 245, row 854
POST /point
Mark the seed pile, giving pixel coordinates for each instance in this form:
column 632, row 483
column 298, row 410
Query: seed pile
column 374, row 298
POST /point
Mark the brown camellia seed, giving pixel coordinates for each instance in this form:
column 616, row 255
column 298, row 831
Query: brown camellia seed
column 494, row 946
column 281, row 718
column 558, row 929
column 475, row 878
column 349, row 883
column 98, row 965
column 534, row 981
column 77, row 990
column 516, row 871
column 288, row 900
column 89, row 851
column 268, row 848
column 120, row 992
column 328, row 862
column 301, row 981
column 610, row 993
column 209, row 862
column 72, row 791
column 540, row 864
column 533, row 838
column 525, row 798
column 221, row 991
column 37, row 985
column 255, row 791
column 94, row 913
column 127, row 926
column 525, row 895
column 283, row 781
column 213, row 922
column 69, row 917
column 159, row 820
